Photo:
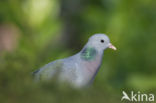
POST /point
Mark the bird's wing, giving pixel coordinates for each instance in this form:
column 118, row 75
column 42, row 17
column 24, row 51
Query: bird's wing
column 48, row 71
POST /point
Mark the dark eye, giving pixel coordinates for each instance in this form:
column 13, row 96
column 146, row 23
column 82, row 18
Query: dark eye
column 102, row 41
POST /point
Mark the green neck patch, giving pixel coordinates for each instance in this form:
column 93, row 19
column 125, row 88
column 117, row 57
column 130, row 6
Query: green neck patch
column 88, row 54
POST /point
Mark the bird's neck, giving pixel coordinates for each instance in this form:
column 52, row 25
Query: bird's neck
column 93, row 66
column 92, row 61
column 88, row 54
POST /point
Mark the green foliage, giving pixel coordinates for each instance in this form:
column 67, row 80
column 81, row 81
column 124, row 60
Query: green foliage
column 46, row 30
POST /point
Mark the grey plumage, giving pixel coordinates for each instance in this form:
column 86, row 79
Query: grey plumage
column 80, row 69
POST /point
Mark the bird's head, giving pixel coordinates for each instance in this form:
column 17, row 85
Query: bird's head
column 100, row 42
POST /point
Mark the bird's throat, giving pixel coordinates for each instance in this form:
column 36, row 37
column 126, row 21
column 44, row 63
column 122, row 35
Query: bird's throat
column 88, row 54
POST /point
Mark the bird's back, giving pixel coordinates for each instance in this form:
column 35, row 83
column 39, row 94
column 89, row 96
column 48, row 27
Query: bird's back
column 48, row 71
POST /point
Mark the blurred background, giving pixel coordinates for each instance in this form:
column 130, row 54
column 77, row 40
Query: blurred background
column 35, row 32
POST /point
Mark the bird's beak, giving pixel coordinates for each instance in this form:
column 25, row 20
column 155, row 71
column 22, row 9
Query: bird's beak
column 112, row 46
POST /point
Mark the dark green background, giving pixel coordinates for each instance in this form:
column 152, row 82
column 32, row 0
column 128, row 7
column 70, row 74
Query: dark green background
column 35, row 32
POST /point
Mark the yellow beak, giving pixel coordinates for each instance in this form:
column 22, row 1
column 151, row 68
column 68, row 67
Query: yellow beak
column 112, row 46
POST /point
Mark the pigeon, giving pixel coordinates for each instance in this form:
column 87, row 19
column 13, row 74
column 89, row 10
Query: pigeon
column 80, row 69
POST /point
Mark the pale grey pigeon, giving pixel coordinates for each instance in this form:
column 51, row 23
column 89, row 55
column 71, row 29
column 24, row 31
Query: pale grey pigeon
column 79, row 69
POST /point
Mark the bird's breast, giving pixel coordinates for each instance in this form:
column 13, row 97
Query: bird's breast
column 91, row 68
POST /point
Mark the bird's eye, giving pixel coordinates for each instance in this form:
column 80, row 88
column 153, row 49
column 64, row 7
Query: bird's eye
column 102, row 41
